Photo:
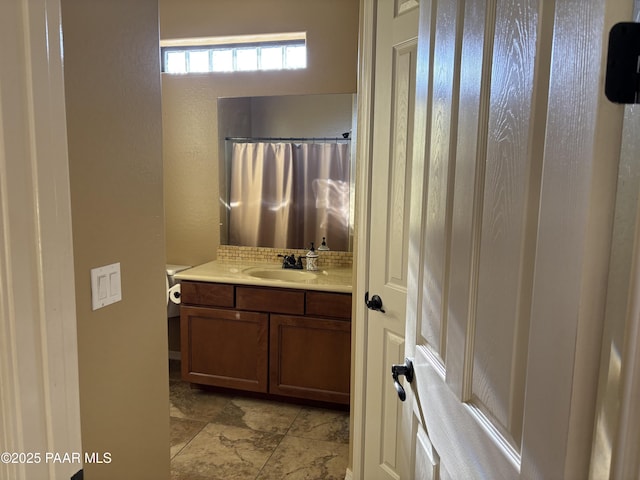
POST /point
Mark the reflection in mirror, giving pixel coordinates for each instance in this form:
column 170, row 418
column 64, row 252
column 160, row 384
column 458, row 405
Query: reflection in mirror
column 286, row 190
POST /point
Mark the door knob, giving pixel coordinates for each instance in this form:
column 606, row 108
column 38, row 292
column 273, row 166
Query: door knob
column 405, row 369
column 374, row 304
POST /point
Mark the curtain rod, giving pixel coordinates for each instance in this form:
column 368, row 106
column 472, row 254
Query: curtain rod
column 287, row 139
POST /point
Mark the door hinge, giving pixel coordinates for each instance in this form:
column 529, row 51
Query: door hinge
column 622, row 84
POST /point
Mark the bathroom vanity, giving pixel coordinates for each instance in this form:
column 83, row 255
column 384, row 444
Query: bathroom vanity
column 263, row 329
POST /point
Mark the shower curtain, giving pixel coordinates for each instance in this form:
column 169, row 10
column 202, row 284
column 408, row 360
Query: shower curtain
column 261, row 194
column 321, row 174
column 286, row 195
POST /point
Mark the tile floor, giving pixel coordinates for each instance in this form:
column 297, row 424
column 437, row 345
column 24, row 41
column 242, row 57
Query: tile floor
column 224, row 436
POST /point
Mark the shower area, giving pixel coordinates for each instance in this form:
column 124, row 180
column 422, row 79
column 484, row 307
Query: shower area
column 286, row 191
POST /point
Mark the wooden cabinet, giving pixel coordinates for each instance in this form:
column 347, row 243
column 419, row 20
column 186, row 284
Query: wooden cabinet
column 208, row 294
column 328, row 304
column 283, row 342
column 272, row 300
column 225, row 348
column 310, row 358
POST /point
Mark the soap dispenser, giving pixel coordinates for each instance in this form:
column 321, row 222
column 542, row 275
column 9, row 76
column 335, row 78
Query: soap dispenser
column 323, row 246
column 312, row 259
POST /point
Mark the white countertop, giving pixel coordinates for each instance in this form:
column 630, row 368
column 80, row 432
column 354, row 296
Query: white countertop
column 270, row 275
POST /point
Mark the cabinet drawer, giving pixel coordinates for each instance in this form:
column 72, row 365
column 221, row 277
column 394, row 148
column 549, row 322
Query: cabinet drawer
column 329, row 304
column 207, row 294
column 271, row 300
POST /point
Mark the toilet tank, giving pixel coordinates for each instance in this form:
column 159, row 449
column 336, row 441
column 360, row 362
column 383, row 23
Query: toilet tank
column 173, row 310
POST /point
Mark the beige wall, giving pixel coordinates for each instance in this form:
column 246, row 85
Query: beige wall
column 112, row 85
column 189, row 113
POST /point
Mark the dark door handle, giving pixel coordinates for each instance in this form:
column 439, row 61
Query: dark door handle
column 374, row 304
column 405, row 369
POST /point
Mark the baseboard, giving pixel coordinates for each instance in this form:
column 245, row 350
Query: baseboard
column 173, row 355
column 348, row 475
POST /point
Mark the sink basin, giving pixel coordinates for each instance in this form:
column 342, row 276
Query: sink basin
column 283, row 275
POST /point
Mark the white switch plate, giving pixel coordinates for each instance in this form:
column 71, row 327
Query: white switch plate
column 105, row 285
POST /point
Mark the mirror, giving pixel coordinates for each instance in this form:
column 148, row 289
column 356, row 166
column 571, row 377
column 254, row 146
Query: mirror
column 286, row 170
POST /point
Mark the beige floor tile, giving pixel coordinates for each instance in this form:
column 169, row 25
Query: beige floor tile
column 222, row 436
column 224, row 452
column 321, row 424
column 195, row 404
column 260, row 415
column 304, row 459
column 182, row 430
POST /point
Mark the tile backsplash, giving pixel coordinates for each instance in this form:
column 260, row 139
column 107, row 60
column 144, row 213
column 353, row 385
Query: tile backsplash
column 326, row 259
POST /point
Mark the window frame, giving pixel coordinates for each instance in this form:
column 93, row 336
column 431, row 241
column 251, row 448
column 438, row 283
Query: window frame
column 234, row 47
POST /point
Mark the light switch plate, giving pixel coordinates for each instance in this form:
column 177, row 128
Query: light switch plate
column 105, row 285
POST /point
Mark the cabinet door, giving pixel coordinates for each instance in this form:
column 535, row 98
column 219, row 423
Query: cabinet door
column 310, row 358
column 225, row 348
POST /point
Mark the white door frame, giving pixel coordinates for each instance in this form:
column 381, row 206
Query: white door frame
column 39, row 398
column 625, row 462
column 366, row 66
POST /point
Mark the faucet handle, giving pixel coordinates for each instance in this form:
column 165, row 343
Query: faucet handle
column 288, row 260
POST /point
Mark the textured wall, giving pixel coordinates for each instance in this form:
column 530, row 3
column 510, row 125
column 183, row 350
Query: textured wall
column 112, row 87
column 190, row 119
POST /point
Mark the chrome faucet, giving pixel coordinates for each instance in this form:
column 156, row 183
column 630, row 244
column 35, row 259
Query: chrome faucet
column 289, row 261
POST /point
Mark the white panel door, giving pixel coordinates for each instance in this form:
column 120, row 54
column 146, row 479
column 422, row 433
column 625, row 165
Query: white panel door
column 394, row 79
column 514, row 176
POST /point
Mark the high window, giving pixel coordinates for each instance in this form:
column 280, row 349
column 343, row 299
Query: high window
column 235, row 54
